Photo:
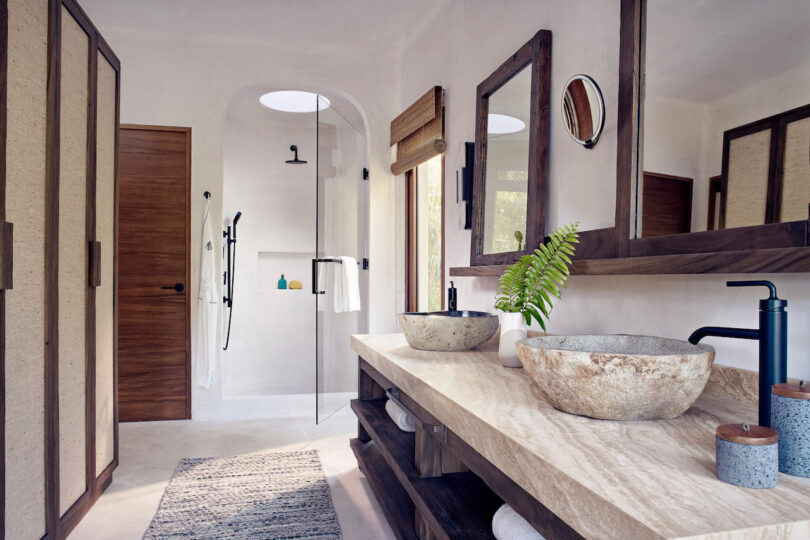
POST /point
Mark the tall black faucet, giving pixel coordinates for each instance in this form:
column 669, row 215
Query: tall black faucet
column 772, row 336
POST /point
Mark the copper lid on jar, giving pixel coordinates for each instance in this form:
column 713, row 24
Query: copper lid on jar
column 747, row 434
column 800, row 390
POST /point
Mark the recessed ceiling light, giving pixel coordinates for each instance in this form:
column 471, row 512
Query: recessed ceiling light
column 294, row 101
column 501, row 124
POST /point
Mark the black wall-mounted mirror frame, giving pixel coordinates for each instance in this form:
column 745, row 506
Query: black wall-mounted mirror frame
column 537, row 54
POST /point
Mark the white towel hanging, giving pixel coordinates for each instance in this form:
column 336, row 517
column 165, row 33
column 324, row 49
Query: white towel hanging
column 346, row 286
column 207, row 306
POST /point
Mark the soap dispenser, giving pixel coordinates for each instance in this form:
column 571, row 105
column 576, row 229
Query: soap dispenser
column 452, row 298
column 282, row 283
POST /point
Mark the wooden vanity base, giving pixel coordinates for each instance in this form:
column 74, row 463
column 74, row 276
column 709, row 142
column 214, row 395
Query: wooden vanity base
column 431, row 484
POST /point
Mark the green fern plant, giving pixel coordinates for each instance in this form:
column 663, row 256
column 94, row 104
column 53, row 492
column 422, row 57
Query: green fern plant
column 528, row 285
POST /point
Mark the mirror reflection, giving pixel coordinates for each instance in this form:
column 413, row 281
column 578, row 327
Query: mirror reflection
column 507, row 165
column 583, row 110
column 726, row 120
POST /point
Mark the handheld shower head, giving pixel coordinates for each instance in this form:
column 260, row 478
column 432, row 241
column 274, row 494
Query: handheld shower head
column 295, row 160
column 236, row 219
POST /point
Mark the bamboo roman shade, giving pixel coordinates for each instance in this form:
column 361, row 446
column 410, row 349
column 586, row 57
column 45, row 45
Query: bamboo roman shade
column 419, row 131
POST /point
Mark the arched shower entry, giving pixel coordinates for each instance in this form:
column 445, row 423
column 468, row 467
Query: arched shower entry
column 295, row 166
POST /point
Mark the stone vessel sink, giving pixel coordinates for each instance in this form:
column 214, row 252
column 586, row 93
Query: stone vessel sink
column 448, row 330
column 617, row 377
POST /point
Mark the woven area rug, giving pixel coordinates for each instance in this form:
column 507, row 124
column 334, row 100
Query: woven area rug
column 278, row 495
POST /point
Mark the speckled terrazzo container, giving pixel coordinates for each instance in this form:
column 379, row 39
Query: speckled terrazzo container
column 790, row 417
column 747, row 456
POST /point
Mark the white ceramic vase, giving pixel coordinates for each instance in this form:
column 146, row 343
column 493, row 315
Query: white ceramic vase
column 513, row 329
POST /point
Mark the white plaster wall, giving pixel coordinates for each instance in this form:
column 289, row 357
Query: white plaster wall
column 171, row 79
column 272, row 331
column 464, row 45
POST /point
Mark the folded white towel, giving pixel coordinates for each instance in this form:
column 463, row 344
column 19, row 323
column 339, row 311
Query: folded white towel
column 401, row 418
column 346, row 286
column 509, row 525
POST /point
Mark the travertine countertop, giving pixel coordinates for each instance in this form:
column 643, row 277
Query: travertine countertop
column 629, row 480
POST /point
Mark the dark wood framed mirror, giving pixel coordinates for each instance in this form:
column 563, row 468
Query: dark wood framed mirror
column 779, row 243
column 511, row 155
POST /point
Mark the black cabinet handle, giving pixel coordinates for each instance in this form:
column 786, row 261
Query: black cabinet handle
column 177, row 287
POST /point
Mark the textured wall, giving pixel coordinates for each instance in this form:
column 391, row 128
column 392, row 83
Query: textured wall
column 72, row 261
column 105, row 233
column 25, row 303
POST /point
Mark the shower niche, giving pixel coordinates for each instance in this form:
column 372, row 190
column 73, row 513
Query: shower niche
column 297, row 177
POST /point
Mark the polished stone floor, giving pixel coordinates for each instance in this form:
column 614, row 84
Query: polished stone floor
column 150, row 451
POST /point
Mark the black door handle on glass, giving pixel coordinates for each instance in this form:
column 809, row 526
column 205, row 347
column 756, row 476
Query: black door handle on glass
column 177, row 287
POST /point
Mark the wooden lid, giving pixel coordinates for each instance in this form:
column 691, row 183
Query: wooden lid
column 800, row 390
column 746, row 434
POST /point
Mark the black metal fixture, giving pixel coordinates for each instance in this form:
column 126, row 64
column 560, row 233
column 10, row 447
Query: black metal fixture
column 363, row 264
column 772, row 337
column 295, row 160
column 228, row 277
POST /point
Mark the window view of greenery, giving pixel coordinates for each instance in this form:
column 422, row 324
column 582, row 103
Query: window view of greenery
column 509, row 223
column 429, row 232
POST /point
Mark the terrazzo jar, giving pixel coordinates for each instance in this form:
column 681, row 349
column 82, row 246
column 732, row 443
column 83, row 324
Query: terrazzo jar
column 747, row 456
column 790, row 417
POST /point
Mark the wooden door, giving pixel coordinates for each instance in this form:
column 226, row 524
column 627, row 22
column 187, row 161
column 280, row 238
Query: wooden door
column 667, row 203
column 154, row 353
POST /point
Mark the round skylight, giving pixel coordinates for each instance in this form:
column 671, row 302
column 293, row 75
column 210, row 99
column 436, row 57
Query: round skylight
column 501, row 124
column 294, row 101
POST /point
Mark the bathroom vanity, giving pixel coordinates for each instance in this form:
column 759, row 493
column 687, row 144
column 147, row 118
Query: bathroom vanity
column 485, row 436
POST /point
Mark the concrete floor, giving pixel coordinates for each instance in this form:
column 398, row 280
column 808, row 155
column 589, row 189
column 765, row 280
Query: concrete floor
column 150, row 451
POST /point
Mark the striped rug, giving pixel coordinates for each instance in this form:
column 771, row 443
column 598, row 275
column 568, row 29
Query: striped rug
column 261, row 496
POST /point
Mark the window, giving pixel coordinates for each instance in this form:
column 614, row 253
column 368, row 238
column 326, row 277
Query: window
column 425, row 250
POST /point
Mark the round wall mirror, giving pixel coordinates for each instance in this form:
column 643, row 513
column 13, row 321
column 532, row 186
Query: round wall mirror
column 583, row 110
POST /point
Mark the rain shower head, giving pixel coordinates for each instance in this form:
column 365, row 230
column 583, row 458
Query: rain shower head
column 295, row 160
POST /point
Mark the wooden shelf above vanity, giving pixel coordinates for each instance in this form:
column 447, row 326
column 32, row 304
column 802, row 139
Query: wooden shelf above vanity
column 795, row 259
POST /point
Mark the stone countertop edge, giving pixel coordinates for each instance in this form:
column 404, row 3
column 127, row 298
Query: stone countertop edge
column 610, row 500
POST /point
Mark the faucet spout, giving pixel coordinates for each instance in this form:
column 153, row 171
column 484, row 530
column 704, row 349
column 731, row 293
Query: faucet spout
column 720, row 331
column 772, row 337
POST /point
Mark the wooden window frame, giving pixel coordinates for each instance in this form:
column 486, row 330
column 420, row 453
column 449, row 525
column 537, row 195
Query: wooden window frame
column 411, row 240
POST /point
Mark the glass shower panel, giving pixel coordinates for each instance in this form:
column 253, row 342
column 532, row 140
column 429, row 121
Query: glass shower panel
column 342, row 231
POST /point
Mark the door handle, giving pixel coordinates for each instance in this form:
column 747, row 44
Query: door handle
column 178, row 287
column 315, row 277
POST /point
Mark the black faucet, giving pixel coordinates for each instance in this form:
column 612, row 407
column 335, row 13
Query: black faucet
column 772, row 336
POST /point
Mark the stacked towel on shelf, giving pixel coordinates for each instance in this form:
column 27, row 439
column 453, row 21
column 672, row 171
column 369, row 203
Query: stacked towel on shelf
column 509, row 525
column 401, row 418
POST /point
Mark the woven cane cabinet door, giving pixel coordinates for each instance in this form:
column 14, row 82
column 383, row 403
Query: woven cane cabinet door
column 59, row 102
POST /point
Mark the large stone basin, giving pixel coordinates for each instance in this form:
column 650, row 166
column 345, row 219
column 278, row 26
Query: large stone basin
column 617, row 377
column 448, row 330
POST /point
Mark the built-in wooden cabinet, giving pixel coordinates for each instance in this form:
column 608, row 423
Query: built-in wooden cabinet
column 58, row 141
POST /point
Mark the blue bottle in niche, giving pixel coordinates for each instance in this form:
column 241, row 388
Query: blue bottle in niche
column 282, row 283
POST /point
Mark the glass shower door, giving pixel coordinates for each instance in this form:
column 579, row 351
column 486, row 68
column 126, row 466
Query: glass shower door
column 342, row 231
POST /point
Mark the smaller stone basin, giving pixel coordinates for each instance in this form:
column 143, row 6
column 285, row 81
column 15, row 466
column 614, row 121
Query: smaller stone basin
column 617, row 377
column 448, row 330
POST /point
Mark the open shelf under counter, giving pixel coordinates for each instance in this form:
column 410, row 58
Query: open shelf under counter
column 458, row 504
